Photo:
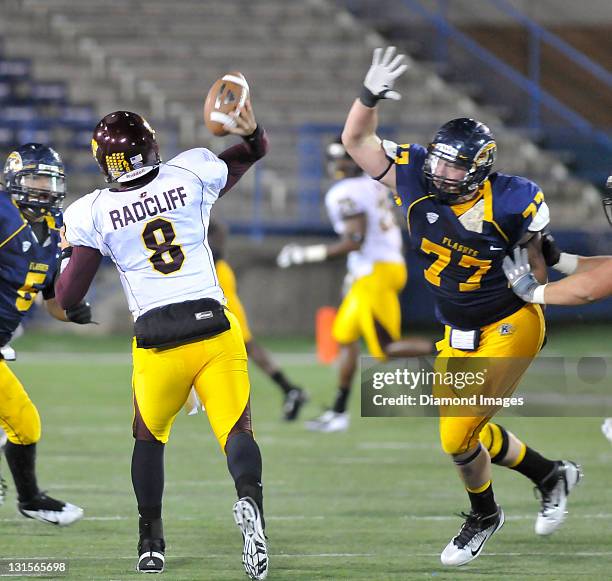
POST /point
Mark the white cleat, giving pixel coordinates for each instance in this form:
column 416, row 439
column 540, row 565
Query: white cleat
column 255, row 551
column 554, row 501
column 329, row 421
column 49, row 510
column 469, row 542
column 606, row 428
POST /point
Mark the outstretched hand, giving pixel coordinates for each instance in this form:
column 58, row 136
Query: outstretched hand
column 518, row 272
column 385, row 69
column 245, row 123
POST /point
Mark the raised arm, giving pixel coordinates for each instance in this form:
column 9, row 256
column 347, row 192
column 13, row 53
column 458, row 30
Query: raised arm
column 239, row 158
column 359, row 136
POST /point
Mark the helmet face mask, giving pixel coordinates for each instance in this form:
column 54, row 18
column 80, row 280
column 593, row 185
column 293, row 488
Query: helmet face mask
column 607, row 204
column 459, row 160
column 34, row 178
column 607, row 201
column 125, row 147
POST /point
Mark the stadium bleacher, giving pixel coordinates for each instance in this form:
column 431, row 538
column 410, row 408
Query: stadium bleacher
column 303, row 60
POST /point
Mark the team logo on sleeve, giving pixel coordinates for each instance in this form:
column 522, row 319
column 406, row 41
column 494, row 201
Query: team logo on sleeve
column 506, row 329
column 432, row 217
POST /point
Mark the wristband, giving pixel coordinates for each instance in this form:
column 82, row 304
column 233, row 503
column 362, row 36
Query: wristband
column 250, row 139
column 64, row 258
column 538, row 295
column 568, row 263
column 315, row 253
column 368, row 98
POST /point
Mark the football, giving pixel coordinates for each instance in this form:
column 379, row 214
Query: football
column 224, row 101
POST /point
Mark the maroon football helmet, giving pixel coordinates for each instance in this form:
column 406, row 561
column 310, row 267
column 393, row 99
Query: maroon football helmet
column 124, row 146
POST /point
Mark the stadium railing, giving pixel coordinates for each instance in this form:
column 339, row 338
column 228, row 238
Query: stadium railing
column 530, row 107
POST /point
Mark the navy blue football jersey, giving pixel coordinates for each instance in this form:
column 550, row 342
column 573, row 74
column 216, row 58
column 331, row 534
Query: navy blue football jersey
column 462, row 255
column 27, row 265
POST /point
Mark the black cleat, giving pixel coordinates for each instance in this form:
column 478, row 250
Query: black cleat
column 151, row 556
column 294, row 400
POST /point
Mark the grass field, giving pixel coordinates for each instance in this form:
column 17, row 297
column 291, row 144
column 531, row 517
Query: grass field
column 378, row 502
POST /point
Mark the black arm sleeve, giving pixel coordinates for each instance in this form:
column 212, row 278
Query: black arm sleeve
column 72, row 284
column 239, row 158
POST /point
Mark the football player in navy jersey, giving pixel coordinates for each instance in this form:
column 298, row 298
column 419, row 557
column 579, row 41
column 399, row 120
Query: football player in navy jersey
column 30, row 218
column 463, row 220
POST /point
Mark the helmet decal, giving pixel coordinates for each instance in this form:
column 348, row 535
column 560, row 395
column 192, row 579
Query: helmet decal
column 14, row 162
column 117, row 164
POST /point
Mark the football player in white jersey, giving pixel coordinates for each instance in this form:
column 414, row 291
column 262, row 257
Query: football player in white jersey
column 361, row 213
column 152, row 221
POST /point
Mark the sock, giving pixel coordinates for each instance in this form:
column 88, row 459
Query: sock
column 151, row 528
column 482, row 499
column 279, row 378
column 21, row 461
column 341, row 400
column 536, row 468
column 244, row 464
column 148, row 478
column 495, row 439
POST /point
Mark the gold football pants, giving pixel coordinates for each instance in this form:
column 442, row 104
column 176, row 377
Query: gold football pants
column 371, row 309
column 162, row 379
column 517, row 338
column 18, row 415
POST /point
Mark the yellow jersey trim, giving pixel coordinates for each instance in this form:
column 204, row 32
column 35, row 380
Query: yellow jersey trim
column 488, row 209
column 460, row 209
column 13, row 235
column 410, row 208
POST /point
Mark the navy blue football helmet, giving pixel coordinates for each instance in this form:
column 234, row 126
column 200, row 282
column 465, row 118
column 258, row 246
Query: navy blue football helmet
column 607, row 201
column 34, row 177
column 459, row 159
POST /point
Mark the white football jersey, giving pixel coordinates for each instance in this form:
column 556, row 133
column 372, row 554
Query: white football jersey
column 156, row 234
column 383, row 238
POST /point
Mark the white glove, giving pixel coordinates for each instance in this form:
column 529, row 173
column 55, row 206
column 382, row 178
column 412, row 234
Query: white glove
column 8, row 353
column 519, row 275
column 296, row 254
column 379, row 81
